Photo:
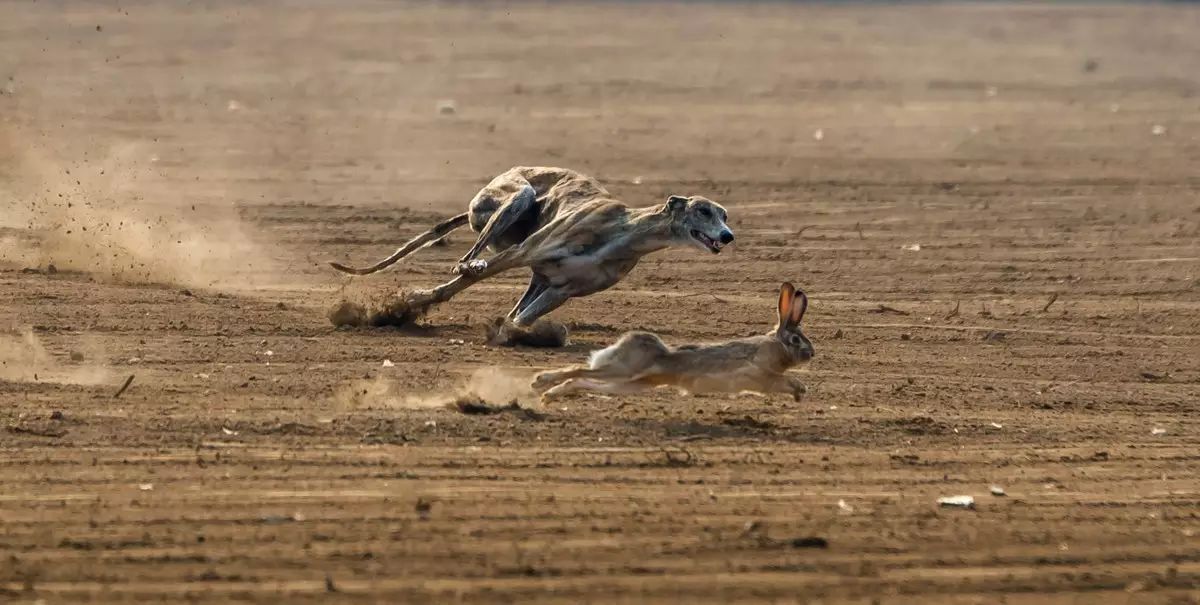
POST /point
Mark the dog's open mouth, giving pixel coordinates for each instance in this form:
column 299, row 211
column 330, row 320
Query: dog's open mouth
column 713, row 245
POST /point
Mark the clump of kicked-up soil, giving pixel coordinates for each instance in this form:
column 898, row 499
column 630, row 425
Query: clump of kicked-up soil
column 543, row 333
column 394, row 310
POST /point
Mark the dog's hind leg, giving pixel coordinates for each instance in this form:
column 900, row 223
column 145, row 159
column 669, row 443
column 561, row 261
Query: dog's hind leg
column 508, row 259
column 503, row 219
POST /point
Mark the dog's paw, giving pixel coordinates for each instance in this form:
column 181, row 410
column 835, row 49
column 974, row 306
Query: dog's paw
column 470, row 268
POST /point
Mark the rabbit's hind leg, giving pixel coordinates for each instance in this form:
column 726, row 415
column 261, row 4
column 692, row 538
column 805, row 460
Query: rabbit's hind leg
column 565, row 387
column 595, row 385
column 558, row 379
column 549, row 378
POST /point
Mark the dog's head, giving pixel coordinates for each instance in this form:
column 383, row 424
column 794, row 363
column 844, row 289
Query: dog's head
column 699, row 221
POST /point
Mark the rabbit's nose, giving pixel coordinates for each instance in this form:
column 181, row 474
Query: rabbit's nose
column 726, row 237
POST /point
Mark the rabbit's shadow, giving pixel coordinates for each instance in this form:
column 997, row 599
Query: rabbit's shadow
column 744, row 427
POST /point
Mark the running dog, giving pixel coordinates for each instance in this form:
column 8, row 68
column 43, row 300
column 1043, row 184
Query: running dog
column 568, row 230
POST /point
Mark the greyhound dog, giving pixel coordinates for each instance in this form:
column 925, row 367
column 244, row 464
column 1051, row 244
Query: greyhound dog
column 568, row 229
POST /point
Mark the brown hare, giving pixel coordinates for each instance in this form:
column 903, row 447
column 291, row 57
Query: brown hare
column 640, row 361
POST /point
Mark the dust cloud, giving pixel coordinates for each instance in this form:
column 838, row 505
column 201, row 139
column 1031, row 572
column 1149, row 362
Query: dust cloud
column 24, row 358
column 93, row 220
column 495, row 386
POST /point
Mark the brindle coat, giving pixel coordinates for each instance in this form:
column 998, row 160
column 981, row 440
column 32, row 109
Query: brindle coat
column 570, row 231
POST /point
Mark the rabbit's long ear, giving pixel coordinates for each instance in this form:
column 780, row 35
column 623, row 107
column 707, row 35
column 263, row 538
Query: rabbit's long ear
column 799, row 306
column 787, row 295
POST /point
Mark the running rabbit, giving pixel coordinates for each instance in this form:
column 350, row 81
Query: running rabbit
column 640, row 361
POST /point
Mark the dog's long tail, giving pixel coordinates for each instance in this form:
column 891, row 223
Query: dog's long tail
column 439, row 231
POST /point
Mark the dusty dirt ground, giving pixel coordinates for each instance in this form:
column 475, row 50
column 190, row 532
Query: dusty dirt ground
column 188, row 170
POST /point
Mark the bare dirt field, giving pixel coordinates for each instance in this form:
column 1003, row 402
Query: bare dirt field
column 995, row 210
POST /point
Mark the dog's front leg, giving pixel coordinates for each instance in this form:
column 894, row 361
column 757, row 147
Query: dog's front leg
column 550, row 299
column 525, row 328
column 537, row 285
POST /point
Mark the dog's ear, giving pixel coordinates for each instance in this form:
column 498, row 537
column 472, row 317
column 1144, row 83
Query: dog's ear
column 675, row 203
column 786, row 295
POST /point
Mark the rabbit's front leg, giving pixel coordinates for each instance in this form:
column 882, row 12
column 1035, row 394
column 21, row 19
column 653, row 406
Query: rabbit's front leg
column 788, row 384
column 796, row 388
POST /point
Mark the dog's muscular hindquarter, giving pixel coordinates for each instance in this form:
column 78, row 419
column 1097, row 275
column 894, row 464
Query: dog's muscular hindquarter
column 568, row 230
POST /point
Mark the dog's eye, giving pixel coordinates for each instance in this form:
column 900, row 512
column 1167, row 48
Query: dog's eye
column 706, row 213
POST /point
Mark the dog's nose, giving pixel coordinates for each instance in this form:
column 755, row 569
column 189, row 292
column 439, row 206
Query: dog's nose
column 726, row 237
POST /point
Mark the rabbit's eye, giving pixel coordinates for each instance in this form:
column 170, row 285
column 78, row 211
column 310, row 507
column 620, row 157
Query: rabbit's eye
column 796, row 339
